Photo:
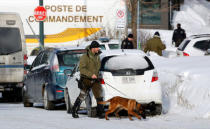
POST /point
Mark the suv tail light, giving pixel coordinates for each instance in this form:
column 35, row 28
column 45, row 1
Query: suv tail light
column 55, row 66
column 155, row 76
column 102, row 81
column 25, row 57
column 185, row 54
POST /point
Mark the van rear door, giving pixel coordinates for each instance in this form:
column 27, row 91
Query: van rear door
column 13, row 49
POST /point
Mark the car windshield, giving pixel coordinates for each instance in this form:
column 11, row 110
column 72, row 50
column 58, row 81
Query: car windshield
column 10, row 40
column 70, row 58
column 183, row 45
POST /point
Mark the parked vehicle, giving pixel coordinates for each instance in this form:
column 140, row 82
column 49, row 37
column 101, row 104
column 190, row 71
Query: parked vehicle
column 13, row 56
column 105, row 43
column 195, row 45
column 125, row 73
column 45, row 81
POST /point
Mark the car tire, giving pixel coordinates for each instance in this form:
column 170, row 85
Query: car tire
column 26, row 103
column 158, row 109
column 48, row 105
column 67, row 101
column 92, row 112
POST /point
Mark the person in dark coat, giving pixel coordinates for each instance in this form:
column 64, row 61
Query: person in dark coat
column 127, row 43
column 178, row 36
column 155, row 44
column 89, row 79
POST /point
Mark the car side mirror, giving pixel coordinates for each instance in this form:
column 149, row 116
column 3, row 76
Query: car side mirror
column 68, row 72
column 27, row 67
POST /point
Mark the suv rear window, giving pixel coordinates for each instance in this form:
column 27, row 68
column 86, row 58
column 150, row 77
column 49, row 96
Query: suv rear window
column 70, row 58
column 183, row 45
column 202, row 45
column 121, row 65
column 10, row 40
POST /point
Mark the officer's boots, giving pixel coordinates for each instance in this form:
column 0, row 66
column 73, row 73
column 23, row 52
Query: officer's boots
column 100, row 109
column 76, row 108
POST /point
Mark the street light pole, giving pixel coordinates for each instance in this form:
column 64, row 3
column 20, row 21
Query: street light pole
column 41, row 30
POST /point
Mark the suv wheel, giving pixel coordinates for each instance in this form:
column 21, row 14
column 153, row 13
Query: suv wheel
column 67, row 101
column 158, row 109
column 26, row 103
column 48, row 105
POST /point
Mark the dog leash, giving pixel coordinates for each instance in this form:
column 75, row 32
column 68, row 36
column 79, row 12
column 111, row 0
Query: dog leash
column 116, row 89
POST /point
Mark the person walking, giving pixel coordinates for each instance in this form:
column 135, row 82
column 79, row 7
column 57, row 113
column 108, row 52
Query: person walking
column 127, row 43
column 155, row 44
column 178, row 35
column 89, row 74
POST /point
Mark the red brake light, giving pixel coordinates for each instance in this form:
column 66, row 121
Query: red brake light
column 60, row 91
column 155, row 76
column 102, row 81
column 25, row 57
column 154, row 79
column 55, row 68
column 185, row 54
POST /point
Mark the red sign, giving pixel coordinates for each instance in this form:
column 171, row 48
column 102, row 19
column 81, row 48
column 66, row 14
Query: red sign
column 120, row 13
column 40, row 13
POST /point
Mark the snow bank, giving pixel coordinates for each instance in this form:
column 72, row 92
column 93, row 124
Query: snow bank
column 185, row 83
column 194, row 17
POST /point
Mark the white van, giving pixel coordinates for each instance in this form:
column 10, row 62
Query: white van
column 13, row 55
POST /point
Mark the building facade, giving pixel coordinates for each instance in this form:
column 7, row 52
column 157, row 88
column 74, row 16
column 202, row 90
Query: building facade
column 156, row 14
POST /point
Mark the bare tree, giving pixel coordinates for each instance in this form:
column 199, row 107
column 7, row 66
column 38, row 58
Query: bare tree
column 132, row 6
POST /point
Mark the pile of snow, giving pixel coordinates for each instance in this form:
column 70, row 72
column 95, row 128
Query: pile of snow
column 185, row 84
column 194, row 17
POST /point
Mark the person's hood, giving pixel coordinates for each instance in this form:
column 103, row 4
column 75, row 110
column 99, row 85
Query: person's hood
column 156, row 36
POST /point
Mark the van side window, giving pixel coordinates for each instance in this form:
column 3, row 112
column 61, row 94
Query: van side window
column 37, row 61
column 202, row 45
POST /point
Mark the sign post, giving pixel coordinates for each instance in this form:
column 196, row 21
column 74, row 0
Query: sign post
column 121, row 23
column 40, row 14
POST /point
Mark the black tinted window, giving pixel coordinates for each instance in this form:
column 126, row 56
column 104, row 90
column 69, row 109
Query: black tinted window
column 10, row 40
column 121, row 65
column 102, row 47
column 202, row 45
column 37, row 60
column 183, row 45
column 45, row 57
column 113, row 46
column 70, row 58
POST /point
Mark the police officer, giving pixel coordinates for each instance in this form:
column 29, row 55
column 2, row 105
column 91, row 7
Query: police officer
column 89, row 72
column 178, row 36
column 155, row 44
column 127, row 43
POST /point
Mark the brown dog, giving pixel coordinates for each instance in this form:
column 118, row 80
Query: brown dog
column 118, row 103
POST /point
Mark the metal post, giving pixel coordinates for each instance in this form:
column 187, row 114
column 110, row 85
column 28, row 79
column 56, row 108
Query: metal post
column 138, row 26
column 41, row 30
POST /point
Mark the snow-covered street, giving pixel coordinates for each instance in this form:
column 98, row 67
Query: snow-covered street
column 15, row 116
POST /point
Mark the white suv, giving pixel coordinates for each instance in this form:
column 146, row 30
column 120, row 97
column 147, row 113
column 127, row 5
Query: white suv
column 195, row 45
column 105, row 43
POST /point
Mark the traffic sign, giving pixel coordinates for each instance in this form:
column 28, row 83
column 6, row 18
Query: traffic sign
column 40, row 13
column 120, row 13
column 120, row 19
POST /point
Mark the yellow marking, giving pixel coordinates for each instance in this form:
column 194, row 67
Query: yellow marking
column 69, row 34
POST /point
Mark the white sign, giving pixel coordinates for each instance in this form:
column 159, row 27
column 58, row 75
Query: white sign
column 120, row 19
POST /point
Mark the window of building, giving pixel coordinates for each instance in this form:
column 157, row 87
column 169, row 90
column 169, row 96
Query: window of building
column 149, row 12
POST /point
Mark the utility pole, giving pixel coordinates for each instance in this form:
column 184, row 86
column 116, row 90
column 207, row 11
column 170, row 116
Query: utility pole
column 41, row 30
